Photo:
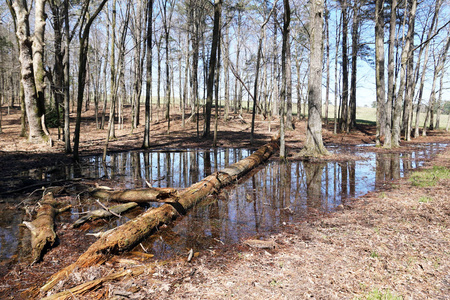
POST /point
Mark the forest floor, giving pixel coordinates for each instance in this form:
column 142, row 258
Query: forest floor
column 394, row 241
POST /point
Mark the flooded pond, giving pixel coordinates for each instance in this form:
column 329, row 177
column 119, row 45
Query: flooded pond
column 264, row 201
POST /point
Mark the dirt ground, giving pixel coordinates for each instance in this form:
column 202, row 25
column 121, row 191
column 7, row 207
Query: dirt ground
column 389, row 241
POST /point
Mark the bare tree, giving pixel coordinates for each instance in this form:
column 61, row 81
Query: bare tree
column 406, row 54
column 425, row 49
column 34, row 108
column 85, row 27
column 379, row 66
column 391, row 67
column 344, row 99
column 439, row 66
column 314, row 144
column 285, row 75
column 167, row 13
column 212, row 66
column 148, row 83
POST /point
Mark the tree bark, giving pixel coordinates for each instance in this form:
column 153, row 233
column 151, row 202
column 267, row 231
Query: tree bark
column 424, row 67
column 344, row 106
column 406, row 54
column 439, row 102
column 438, row 68
column 351, row 121
column 38, row 55
column 288, row 76
column 314, row 143
column 212, row 67
column 128, row 235
column 136, row 195
column 390, row 93
column 34, row 111
column 327, row 48
column 148, row 81
column 42, row 228
column 379, row 66
column 84, row 46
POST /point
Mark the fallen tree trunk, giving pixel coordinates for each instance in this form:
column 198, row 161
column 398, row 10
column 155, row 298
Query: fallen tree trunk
column 42, row 228
column 136, row 195
column 103, row 213
column 93, row 284
column 126, row 236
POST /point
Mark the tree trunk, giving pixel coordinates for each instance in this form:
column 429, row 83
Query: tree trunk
column 327, row 48
column 314, row 143
column 336, row 81
column 33, row 109
column 438, row 68
column 439, row 103
column 351, row 121
column 424, row 67
column 212, row 66
column 390, row 93
column 409, row 94
column 284, row 77
column 84, row 46
column 148, row 83
column 111, row 133
column 38, row 56
column 379, row 66
column 128, row 235
column 288, row 79
column 216, row 86
column 344, row 100
column 226, row 67
column 167, row 19
column 58, row 67
column 406, row 54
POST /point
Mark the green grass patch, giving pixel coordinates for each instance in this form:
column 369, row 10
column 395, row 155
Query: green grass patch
column 381, row 295
column 424, row 199
column 429, row 177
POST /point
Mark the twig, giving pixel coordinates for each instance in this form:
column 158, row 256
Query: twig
column 110, row 211
column 219, row 241
column 143, row 248
column 191, row 254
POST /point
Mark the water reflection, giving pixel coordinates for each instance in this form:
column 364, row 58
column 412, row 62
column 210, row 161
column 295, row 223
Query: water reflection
column 263, row 202
column 277, row 195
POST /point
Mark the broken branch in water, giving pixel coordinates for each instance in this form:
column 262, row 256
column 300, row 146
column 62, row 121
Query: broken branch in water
column 137, row 195
column 42, row 228
column 115, row 210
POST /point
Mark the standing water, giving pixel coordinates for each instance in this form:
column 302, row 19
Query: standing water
column 261, row 203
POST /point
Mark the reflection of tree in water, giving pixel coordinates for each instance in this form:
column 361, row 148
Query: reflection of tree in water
column 136, row 169
column 207, row 163
column 313, row 172
column 387, row 167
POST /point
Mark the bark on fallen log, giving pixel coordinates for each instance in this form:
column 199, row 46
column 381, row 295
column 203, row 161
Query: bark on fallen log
column 136, row 195
column 103, row 213
column 42, row 228
column 91, row 285
column 126, row 236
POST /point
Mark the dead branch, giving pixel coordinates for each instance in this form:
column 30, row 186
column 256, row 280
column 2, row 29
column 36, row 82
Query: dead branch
column 115, row 210
column 137, row 195
column 42, row 228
